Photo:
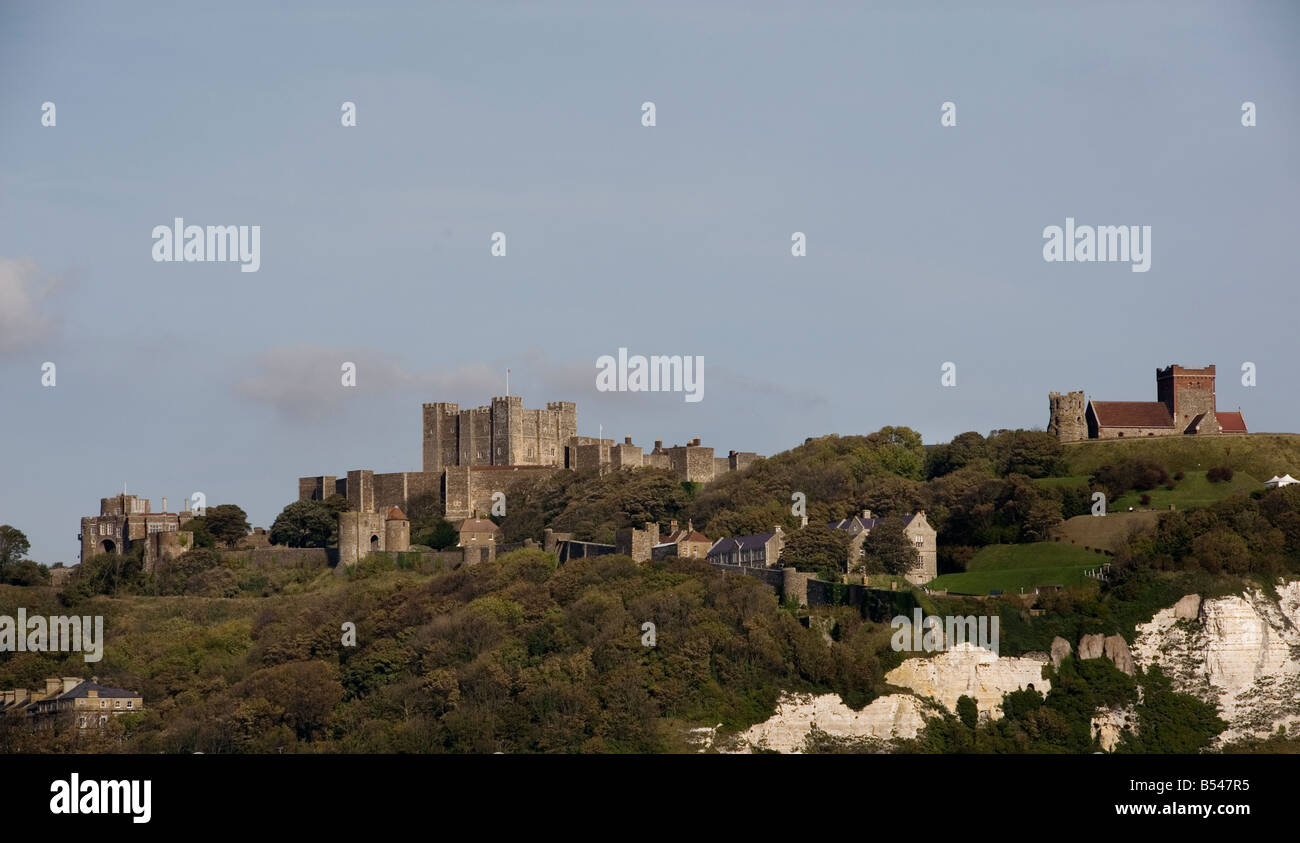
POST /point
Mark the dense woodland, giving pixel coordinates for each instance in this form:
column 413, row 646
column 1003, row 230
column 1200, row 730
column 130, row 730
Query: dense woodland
column 524, row 655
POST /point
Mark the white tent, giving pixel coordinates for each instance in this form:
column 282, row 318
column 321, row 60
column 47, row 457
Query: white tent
column 1284, row 480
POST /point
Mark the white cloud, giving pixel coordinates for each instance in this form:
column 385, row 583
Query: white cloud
column 23, row 288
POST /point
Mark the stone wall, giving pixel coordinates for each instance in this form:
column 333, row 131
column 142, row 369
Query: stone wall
column 469, row 488
column 283, row 556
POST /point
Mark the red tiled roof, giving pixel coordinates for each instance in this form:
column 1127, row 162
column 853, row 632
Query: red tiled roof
column 1231, row 422
column 1131, row 414
column 477, row 525
column 396, row 514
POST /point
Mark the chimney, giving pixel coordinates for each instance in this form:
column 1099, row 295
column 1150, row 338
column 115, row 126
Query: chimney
column 866, row 513
column 164, row 509
column 627, row 440
column 672, row 526
column 696, row 441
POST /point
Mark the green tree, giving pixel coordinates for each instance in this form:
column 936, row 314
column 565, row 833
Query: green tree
column 13, row 546
column 968, row 711
column 817, row 548
column 26, row 572
column 888, row 548
column 227, row 523
column 440, row 536
column 306, row 524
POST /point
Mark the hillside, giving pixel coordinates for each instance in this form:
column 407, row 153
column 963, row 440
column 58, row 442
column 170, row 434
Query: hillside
column 1261, row 455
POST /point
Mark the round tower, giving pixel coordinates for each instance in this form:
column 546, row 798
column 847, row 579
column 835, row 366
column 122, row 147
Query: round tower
column 1067, row 420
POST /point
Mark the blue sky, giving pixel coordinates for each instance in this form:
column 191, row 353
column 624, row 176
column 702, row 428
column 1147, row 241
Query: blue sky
column 924, row 242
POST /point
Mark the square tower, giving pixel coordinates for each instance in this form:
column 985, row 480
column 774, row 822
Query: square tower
column 1187, row 393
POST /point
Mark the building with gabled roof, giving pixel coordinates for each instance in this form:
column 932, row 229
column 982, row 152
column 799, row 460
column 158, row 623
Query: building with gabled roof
column 1185, row 404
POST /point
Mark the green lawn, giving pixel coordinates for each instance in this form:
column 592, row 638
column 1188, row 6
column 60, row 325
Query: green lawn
column 1192, row 491
column 1011, row 567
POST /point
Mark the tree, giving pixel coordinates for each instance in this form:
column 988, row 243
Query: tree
column 968, row 711
column 227, row 523
column 26, row 572
column 202, row 535
column 440, row 536
column 306, row 524
column 889, row 548
column 817, row 548
column 13, row 546
column 1029, row 452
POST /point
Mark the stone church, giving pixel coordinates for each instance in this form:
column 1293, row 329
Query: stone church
column 1184, row 404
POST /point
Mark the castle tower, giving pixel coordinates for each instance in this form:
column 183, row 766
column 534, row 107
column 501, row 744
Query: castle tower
column 441, row 445
column 1189, row 395
column 1067, row 420
column 397, row 530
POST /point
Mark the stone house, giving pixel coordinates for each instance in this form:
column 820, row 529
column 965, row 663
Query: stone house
column 924, row 539
column 686, row 544
column 69, row 700
column 758, row 551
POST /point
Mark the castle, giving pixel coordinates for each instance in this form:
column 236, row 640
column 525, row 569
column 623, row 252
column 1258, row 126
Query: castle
column 470, row 455
column 125, row 521
column 1184, row 405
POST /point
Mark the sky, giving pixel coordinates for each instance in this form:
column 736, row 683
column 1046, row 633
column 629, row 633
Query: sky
column 924, row 242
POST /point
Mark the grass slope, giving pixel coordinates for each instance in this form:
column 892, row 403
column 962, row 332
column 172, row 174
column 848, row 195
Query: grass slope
column 1011, row 567
column 1259, row 454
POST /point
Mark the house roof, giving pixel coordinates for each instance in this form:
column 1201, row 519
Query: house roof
column 396, row 514
column 103, row 692
column 477, row 525
column 857, row 523
column 735, row 543
column 1131, row 414
column 686, row 536
column 1231, row 422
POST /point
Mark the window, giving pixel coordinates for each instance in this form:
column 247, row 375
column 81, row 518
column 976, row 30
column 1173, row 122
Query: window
column 130, row 703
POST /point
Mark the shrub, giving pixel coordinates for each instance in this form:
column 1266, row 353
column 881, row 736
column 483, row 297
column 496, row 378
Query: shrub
column 1222, row 474
column 1145, row 499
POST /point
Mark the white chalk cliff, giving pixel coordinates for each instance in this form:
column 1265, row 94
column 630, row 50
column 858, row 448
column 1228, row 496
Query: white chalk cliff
column 885, row 718
column 1240, row 652
column 972, row 671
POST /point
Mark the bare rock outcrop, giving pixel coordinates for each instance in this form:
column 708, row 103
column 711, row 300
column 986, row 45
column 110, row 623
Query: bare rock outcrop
column 885, row 718
column 1092, row 646
column 1108, row 725
column 1116, row 649
column 1061, row 650
column 1241, row 653
column 972, row 671
column 1188, row 608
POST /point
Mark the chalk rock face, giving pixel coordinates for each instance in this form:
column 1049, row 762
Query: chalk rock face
column 971, row 671
column 1116, row 649
column 1188, row 608
column 1092, row 646
column 888, row 717
column 1241, row 653
column 1108, row 725
column 1060, row 650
